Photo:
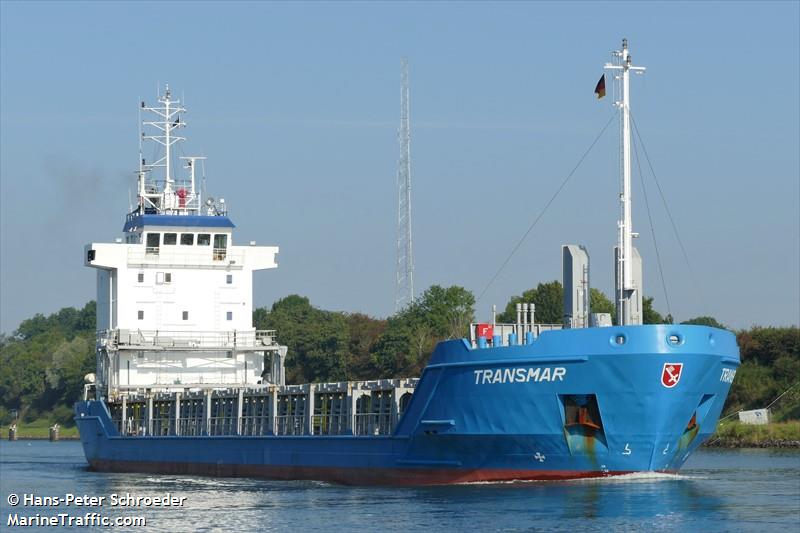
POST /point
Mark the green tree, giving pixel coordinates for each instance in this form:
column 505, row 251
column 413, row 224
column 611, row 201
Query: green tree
column 600, row 303
column 43, row 363
column 704, row 321
column 770, row 367
column 411, row 335
column 394, row 352
column 318, row 340
column 767, row 344
column 364, row 332
column 447, row 312
column 752, row 388
column 549, row 301
column 65, row 373
column 650, row 315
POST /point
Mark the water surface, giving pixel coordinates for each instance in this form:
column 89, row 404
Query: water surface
column 717, row 490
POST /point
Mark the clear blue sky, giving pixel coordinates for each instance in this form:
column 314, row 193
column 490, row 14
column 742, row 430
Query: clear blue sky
column 297, row 106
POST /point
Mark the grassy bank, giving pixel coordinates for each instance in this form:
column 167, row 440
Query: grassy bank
column 39, row 429
column 733, row 434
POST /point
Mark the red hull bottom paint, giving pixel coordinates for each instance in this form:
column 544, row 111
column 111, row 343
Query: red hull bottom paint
column 349, row 476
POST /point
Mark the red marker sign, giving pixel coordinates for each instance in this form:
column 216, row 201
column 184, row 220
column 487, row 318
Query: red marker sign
column 671, row 374
column 484, row 330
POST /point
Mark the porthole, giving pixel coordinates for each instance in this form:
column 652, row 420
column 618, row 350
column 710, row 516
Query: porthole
column 675, row 339
column 618, row 339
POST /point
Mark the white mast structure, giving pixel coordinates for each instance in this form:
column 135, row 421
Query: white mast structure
column 404, row 285
column 167, row 196
column 627, row 288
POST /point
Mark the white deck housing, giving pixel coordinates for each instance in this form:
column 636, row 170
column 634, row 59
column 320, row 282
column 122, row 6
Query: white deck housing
column 175, row 299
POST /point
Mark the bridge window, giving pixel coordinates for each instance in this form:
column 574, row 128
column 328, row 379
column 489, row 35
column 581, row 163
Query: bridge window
column 170, row 238
column 220, row 245
column 140, row 277
column 140, row 315
column 220, row 241
column 229, row 315
column 187, row 239
column 186, row 315
column 229, row 279
column 153, row 241
column 203, row 239
column 167, row 277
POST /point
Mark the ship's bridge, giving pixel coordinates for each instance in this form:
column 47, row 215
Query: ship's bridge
column 185, row 261
column 175, row 296
column 182, row 241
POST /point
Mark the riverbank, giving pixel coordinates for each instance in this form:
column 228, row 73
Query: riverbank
column 40, row 430
column 734, row 434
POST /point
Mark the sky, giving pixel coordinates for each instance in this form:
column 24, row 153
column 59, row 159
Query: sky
column 296, row 105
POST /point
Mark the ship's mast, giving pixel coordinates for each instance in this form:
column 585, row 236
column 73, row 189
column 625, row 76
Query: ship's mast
column 170, row 115
column 625, row 285
column 167, row 193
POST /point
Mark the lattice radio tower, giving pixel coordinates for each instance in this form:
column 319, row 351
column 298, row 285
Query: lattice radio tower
column 404, row 286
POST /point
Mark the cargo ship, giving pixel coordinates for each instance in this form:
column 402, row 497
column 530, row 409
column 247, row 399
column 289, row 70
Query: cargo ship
column 186, row 385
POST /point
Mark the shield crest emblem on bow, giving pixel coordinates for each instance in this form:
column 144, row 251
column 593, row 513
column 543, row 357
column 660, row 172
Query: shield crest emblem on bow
column 671, row 374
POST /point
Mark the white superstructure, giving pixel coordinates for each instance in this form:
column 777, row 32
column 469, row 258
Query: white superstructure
column 175, row 296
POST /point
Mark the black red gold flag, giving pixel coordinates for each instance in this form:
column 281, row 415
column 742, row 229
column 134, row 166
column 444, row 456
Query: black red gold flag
column 600, row 90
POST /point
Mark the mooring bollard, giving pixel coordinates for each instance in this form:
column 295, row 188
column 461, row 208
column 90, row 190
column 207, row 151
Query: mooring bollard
column 54, row 433
column 12, row 432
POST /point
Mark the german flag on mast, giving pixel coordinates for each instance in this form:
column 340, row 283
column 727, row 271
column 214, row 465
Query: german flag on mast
column 600, row 90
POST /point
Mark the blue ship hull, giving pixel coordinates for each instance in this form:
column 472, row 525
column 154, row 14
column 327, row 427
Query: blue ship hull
column 574, row 403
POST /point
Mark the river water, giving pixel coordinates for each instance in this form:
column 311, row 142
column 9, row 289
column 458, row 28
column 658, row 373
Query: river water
column 717, row 490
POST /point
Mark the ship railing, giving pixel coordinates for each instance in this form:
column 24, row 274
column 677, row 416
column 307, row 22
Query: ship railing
column 290, row 424
column 183, row 256
column 179, row 200
column 510, row 333
column 372, row 424
column 131, row 427
column 256, row 425
column 331, row 424
column 162, row 426
column 365, row 424
column 187, row 339
column 223, row 425
column 191, row 426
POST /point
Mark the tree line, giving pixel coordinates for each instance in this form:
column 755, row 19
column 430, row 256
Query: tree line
column 42, row 364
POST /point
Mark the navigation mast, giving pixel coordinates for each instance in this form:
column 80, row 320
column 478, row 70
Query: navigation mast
column 166, row 193
column 626, row 284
